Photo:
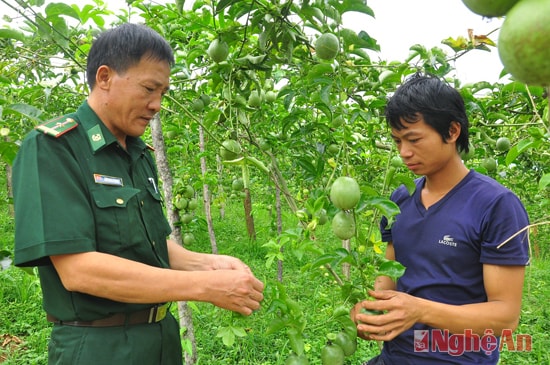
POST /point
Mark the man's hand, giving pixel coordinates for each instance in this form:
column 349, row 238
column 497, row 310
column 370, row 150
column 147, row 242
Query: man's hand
column 236, row 290
column 400, row 312
column 224, row 262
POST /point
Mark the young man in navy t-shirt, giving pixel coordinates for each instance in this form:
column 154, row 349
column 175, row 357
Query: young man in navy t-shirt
column 464, row 276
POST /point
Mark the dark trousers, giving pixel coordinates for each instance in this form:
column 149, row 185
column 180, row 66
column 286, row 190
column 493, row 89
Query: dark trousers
column 375, row 361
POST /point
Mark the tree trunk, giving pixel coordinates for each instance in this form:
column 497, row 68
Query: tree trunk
column 279, row 230
column 206, row 194
column 346, row 267
column 10, row 189
column 247, row 202
column 185, row 314
column 221, row 191
column 248, row 215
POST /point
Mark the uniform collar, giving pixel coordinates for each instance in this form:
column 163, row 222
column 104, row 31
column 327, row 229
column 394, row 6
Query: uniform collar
column 99, row 136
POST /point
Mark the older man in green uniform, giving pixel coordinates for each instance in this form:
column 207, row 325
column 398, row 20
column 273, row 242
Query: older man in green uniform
column 89, row 214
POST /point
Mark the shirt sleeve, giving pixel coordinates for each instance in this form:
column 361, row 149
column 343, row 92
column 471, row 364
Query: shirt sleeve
column 52, row 209
column 505, row 232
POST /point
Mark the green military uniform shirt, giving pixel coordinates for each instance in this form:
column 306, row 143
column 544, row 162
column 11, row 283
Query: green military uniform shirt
column 77, row 190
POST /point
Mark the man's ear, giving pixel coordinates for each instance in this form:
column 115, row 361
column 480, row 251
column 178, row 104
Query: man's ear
column 454, row 131
column 103, row 77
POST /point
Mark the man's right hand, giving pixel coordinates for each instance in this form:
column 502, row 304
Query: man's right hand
column 236, row 290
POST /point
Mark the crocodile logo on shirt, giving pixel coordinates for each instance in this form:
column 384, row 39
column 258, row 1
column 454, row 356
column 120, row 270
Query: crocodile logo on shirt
column 448, row 240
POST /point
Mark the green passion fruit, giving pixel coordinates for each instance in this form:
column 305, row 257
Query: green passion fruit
column 237, row 185
column 327, row 46
column 503, row 144
column 343, row 225
column 332, row 354
column 524, row 42
column 294, row 359
column 197, row 105
column 345, row 193
column 347, row 344
column 490, row 8
column 218, row 50
column 254, row 100
column 490, row 164
column 230, row 150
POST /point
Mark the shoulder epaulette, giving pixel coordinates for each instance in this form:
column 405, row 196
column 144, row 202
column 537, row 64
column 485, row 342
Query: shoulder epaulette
column 57, row 127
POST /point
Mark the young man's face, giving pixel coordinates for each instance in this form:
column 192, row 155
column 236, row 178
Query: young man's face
column 135, row 97
column 422, row 148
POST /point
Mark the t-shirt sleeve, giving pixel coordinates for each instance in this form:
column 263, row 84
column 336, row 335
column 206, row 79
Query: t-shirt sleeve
column 52, row 211
column 505, row 232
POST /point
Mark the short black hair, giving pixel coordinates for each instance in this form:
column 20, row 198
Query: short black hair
column 437, row 102
column 124, row 46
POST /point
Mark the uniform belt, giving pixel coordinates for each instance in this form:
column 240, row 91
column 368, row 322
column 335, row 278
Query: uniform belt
column 150, row 315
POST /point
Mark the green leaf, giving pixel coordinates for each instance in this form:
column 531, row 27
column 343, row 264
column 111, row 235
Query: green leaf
column 61, row 33
column 179, row 5
column 318, row 70
column 54, row 10
column 26, row 110
column 387, row 207
column 361, row 40
column 296, row 341
column 222, row 4
column 12, row 34
column 227, row 336
column 407, row 181
column 238, row 331
column 359, row 6
column 511, row 155
column 391, row 268
column 322, row 260
column 8, row 150
column 544, row 181
column 275, row 325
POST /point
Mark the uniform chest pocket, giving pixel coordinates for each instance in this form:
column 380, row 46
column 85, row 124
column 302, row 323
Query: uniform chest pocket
column 117, row 217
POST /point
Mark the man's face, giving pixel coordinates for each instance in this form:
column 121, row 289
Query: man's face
column 422, row 148
column 135, row 97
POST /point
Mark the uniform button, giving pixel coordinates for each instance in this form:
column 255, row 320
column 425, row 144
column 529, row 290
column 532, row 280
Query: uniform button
column 154, row 243
column 120, row 201
column 142, row 203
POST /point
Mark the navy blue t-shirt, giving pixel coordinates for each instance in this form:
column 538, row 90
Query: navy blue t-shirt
column 443, row 249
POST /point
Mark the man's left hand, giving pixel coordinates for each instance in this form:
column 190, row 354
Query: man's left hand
column 401, row 312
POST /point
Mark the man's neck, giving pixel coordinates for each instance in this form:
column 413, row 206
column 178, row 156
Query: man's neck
column 446, row 179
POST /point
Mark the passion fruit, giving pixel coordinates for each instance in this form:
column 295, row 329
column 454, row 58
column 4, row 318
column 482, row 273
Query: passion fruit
column 490, row 8
column 188, row 239
column 524, row 44
column 218, row 50
column 503, row 144
column 197, row 105
column 230, row 150
column 254, row 100
column 490, row 164
column 343, row 225
column 345, row 193
column 270, row 96
column 347, row 344
column 327, row 46
column 237, row 185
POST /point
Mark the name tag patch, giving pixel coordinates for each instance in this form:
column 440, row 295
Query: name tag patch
column 108, row 180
